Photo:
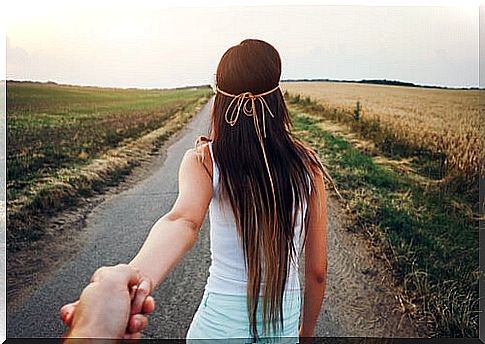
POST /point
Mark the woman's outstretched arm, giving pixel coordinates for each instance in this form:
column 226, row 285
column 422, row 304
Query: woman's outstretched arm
column 176, row 232
column 315, row 258
column 169, row 239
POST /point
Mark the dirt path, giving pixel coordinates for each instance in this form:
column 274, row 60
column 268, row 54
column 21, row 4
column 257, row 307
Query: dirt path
column 360, row 297
column 359, row 300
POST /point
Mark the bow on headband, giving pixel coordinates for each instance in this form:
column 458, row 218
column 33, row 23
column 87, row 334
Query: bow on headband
column 242, row 100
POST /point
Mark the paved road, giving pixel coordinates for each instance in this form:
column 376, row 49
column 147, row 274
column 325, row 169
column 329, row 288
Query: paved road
column 118, row 226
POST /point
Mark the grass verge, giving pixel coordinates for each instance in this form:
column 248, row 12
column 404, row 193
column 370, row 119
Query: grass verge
column 428, row 237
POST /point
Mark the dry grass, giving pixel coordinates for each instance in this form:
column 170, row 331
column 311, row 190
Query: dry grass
column 443, row 121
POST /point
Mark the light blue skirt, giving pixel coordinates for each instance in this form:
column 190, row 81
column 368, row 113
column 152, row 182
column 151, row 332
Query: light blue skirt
column 224, row 317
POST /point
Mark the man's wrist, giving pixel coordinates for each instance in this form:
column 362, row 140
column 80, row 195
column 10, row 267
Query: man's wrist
column 84, row 332
column 88, row 330
column 81, row 338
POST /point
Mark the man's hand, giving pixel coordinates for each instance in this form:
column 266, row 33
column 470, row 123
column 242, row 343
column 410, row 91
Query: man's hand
column 113, row 305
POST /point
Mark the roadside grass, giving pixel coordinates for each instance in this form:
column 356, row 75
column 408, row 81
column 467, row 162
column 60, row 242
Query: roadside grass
column 90, row 138
column 427, row 236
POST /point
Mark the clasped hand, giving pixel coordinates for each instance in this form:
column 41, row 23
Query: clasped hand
column 114, row 305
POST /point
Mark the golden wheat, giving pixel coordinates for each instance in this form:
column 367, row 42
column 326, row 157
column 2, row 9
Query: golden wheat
column 442, row 120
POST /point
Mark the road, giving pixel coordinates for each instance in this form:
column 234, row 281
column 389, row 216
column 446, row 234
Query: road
column 357, row 303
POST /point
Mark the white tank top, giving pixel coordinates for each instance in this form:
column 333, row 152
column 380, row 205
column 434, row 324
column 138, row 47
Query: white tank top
column 227, row 273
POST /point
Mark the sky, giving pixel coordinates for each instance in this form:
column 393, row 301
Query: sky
column 143, row 44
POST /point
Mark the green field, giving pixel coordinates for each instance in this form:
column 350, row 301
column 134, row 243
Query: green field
column 52, row 130
column 427, row 234
column 52, row 126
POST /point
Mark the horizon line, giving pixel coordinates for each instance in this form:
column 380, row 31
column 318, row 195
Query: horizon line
column 378, row 81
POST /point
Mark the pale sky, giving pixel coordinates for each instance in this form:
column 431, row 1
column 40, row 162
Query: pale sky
column 139, row 44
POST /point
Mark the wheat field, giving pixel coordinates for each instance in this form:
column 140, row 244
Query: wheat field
column 442, row 120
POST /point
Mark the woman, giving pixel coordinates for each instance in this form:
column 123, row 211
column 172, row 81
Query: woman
column 265, row 191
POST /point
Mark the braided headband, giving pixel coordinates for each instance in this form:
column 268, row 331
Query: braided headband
column 242, row 100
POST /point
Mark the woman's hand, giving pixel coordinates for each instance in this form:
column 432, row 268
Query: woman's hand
column 304, row 337
column 114, row 305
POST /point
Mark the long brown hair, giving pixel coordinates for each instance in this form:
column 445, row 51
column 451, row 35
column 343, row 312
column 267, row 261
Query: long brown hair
column 267, row 237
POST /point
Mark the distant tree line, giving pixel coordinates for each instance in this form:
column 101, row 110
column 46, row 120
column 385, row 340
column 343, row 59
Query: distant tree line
column 9, row 81
column 382, row 82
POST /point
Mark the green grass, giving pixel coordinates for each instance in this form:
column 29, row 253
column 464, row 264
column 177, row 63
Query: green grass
column 431, row 243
